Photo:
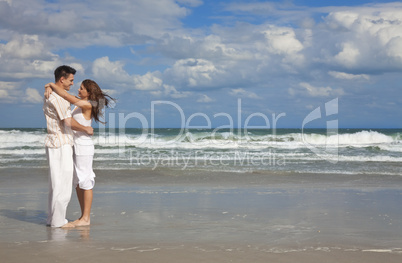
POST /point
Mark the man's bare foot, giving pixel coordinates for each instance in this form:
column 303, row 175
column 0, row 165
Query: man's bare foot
column 68, row 225
column 81, row 222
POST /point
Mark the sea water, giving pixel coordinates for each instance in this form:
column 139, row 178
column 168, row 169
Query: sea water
column 345, row 151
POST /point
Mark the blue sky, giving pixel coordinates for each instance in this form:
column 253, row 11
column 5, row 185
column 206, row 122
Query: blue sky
column 209, row 63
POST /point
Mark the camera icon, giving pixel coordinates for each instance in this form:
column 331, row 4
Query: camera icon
column 326, row 146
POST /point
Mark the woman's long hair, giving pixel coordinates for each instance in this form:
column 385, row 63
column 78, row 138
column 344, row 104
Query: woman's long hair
column 97, row 98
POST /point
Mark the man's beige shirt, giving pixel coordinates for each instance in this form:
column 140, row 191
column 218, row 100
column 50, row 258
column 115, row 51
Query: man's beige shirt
column 56, row 109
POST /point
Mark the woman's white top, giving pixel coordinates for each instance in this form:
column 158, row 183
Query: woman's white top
column 83, row 144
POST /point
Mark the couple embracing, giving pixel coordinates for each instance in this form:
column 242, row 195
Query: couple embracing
column 69, row 146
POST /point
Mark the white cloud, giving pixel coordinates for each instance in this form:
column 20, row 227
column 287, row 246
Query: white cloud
column 343, row 75
column 6, row 88
column 243, row 93
column 10, row 92
column 213, row 47
column 113, row 73
column 193, row 72
column 306, row 88
column 394, row 48
column 186, row 73
column 349, row 55
column 85, row 23
column 381, row 22
column 6, row 85
column 109, row 71
column 26, row 56
column 3, row 94
column 25, row 47
column 171, row 91
column 147, row 82
column 369, row 37
column 282, row 40
column 205, row 99
column 32, row 96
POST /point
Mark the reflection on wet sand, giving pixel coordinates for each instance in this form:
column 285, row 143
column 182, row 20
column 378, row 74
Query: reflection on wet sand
column 64, row 234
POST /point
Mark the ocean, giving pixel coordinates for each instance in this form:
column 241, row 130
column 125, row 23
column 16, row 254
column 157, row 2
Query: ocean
column 345, row 151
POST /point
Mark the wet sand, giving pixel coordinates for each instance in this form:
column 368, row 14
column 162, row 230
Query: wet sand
column 204, row 216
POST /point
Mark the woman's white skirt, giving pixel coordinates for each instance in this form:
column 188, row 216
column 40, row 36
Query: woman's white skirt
column 84, row 176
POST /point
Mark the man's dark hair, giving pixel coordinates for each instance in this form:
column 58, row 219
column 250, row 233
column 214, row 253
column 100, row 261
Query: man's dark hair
column 63, row 71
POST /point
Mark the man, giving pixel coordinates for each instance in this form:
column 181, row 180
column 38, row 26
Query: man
column 59, row 142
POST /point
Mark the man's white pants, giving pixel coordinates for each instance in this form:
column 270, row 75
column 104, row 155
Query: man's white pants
column 60, row 183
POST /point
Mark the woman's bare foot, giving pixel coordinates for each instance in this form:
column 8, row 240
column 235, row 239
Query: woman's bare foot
column 68, row 225
column 81, row 222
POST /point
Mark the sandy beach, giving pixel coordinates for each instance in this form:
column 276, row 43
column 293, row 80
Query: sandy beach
column 186, row 216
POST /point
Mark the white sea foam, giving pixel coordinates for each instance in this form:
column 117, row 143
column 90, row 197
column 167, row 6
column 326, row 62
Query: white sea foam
column 228, row 140
column 223, row 140
column 249, row 151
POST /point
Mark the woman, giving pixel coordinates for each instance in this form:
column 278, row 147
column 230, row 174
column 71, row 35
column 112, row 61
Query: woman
column 89, row 105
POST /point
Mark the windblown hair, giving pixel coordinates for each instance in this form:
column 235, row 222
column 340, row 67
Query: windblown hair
column 97, row 98
column 63, row 71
